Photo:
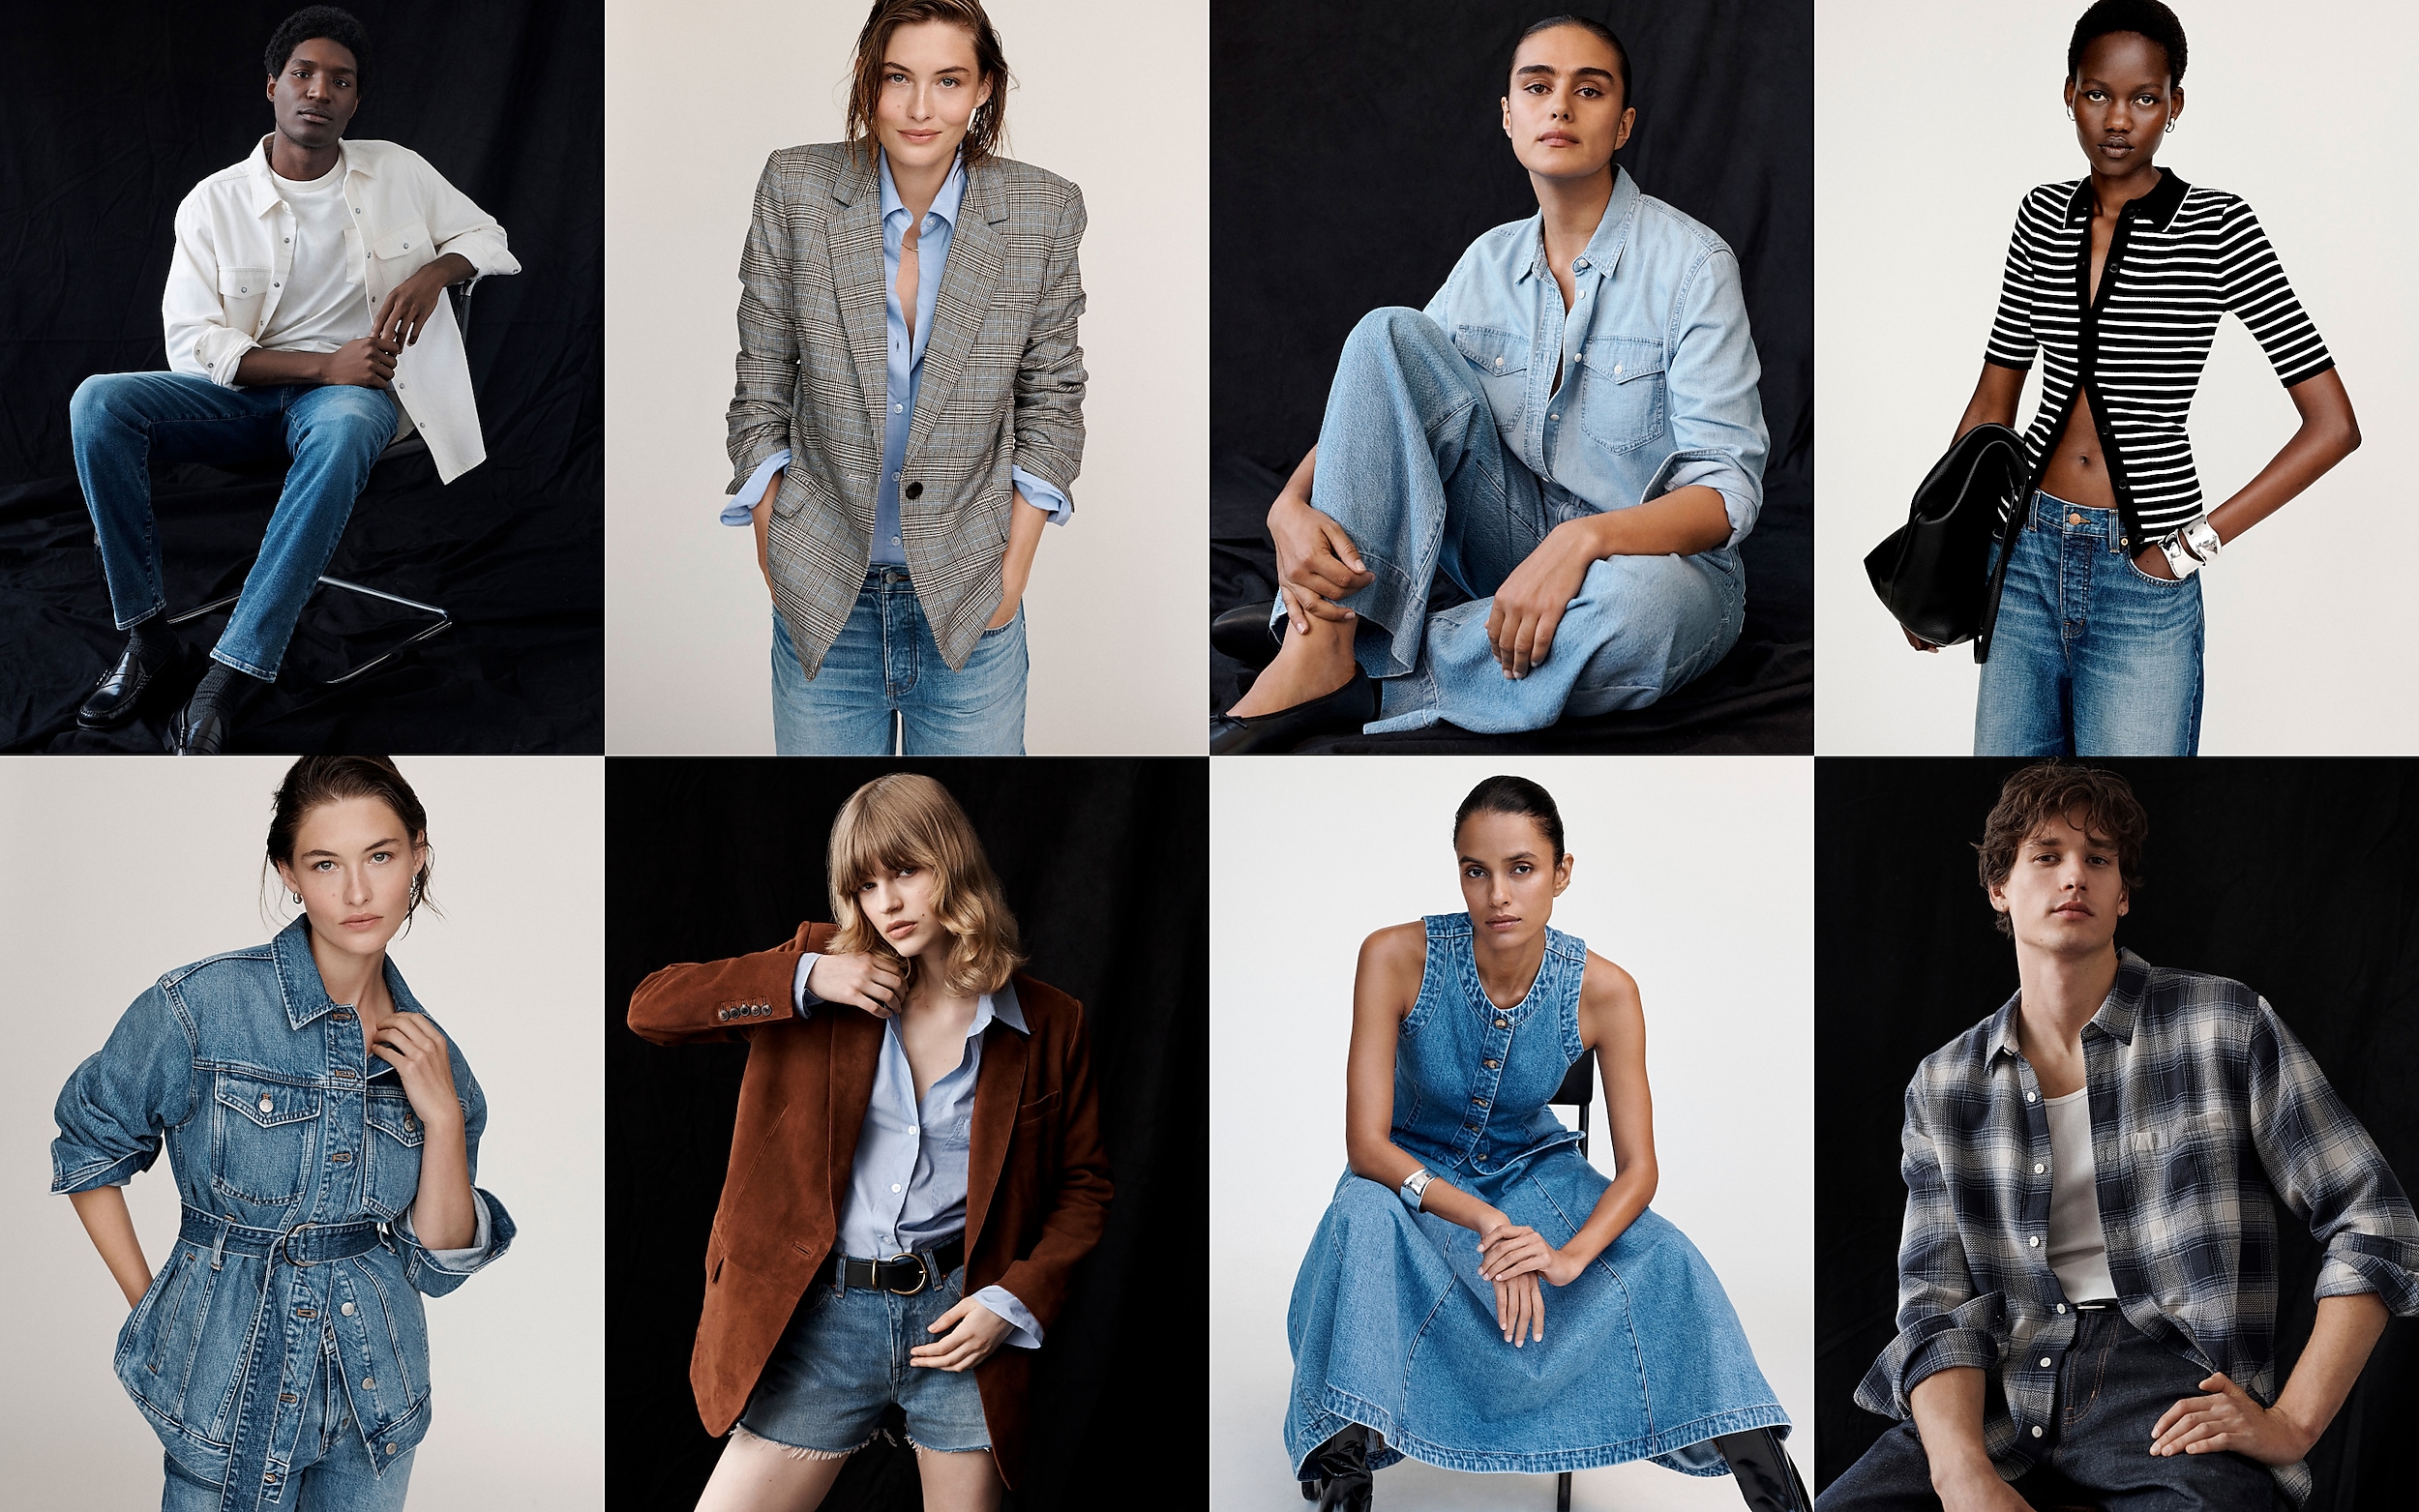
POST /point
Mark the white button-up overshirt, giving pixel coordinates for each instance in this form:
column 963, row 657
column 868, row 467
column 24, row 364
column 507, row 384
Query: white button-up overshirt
column 235, row 253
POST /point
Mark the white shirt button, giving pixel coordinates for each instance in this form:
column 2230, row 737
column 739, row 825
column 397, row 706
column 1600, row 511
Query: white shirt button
column 2038, row 1168
column 2032, row 1096
column 2062, row 1307
column 894, row 1186
column 2035, row 1242
column 2045, row 1362
column 1616, row 370
column 2035, row 1430
column 1553, row 417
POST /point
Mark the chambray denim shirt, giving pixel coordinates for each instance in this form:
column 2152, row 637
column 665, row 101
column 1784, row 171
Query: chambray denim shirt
column 275, row 1117
column 906, row 368
column 1656, row 367
column 908, row 1190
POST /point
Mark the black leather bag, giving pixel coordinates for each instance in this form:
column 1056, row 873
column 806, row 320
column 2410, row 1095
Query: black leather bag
column 1929, row 571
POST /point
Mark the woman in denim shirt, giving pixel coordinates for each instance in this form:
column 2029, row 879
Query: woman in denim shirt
column 324, row 1134
column 1569, row 430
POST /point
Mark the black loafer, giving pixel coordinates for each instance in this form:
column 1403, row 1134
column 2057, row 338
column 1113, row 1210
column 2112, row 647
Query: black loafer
column 1246, row 635
column 1765, row 1475
column 206, row 723
column 1344, row 710
column 114, row 696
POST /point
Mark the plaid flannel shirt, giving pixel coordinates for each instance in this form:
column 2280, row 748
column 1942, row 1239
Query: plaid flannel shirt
column 2197, row 1089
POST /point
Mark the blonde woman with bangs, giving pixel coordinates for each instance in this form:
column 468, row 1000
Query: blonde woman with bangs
column 915, row 1169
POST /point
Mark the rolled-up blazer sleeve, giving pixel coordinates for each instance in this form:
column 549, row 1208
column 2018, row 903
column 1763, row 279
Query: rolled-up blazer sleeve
column 1050, row 382
column 759, row 419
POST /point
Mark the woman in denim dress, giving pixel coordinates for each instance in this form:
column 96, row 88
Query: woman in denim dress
column 1479, row 1296
column 324, row 1134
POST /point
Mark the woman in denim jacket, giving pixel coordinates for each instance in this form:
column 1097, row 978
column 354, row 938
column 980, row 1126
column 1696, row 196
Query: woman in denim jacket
column 324, row 1134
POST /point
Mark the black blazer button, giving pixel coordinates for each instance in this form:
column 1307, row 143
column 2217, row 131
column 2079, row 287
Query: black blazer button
column 913, row 490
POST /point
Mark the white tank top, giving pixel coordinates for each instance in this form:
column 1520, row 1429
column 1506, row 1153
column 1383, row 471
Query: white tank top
column 2078, row 1249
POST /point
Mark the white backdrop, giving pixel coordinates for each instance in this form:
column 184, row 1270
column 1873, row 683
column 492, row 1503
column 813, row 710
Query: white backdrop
column 1931, row 121
column 1110, row 95
column 113, row 873
column 1694, row 875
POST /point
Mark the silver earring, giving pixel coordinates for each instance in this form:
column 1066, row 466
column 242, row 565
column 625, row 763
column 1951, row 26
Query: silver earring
column 2069, row 112
column 415, row 893
column 297, row 897
column 2168, row 128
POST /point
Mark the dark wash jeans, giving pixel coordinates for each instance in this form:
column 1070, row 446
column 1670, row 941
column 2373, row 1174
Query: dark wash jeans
column 2112, row 1386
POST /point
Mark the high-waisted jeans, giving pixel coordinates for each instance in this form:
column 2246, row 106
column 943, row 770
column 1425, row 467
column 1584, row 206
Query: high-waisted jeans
column 331, row 1471
column 1412, row 466
column 2092, row 656
column 887, row 666
column 121, row 421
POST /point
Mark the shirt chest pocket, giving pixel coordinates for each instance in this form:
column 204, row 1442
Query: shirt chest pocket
column 402, row 250
column 265, row 1136
column 393, row 1156
column 1500, row 362
column 242, row 292
column 1623, row 407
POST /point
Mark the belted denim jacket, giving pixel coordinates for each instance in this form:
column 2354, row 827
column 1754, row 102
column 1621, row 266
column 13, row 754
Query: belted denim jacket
column 297, row 1156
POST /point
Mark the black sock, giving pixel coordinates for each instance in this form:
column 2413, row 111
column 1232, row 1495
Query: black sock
column 152, row 642
column 223, row 688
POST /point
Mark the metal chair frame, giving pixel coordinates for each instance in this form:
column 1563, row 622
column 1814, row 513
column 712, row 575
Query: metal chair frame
column 1579, row 1087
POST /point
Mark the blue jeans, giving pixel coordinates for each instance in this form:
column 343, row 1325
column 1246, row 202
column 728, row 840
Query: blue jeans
column 1412, row 466
column 334, row 432
column 885, row 664
column 2092, row 656
column 331, row 1469
column 844, row 1358
column 2113, row 1385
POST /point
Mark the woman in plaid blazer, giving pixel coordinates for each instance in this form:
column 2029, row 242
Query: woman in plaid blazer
column 909, row 401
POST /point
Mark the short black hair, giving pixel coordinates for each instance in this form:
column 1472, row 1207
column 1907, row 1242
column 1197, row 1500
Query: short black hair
column 318, row 20
column 1601, row 30
column 1513, row 795
column 2148, row 17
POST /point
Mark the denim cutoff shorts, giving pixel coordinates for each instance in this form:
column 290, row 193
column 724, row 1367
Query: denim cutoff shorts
column 844, row 1358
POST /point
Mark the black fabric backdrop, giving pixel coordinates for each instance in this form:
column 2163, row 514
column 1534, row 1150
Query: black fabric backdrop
column 1105, row 863
column 109, row 115
column 2293, row 876
column 1356, row 151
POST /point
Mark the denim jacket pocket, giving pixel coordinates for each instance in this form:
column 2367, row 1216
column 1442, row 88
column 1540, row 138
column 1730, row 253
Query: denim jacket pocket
column 241, row 293
column 391, row 1178
column 264, row 1134
column 166, row 1338
column 1623, row 407
column 1501, row 360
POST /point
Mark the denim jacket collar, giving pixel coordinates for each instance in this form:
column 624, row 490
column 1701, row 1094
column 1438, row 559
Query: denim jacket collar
column 1603, row 253
column 2116, row 1017
column 2158, row 207
column 306, row 996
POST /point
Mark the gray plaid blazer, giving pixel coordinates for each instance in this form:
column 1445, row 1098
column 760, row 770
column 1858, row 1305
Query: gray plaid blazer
column 1002, row 382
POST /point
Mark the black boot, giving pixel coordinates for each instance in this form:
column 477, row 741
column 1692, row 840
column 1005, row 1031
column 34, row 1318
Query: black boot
column 207, row 721
column 1766, row 1474
column 150, row 647
column 1342, row 1466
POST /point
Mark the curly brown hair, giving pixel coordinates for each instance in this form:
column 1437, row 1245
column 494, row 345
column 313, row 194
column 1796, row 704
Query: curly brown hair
column 2035, row 796
column 987, row 133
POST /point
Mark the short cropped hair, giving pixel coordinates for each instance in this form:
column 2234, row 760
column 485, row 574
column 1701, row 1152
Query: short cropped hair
column 987, row 133
column 2052, row 790
column 2146, row 17
column 319, row 21
column 906, row 819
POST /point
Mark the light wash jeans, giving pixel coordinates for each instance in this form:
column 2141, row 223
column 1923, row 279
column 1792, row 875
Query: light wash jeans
column 332, row 432
column 885, row 665
column 331, row 1469
column 1411, row 464
column 844, row 1358
column 2092, row 656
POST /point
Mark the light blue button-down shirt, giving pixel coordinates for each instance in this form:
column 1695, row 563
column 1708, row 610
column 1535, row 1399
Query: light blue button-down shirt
column 908, row 1188
column 1646, row 384
column 905, row 353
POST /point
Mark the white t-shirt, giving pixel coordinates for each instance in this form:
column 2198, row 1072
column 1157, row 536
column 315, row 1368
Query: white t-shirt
column 2078, row 1248
column 326, row 303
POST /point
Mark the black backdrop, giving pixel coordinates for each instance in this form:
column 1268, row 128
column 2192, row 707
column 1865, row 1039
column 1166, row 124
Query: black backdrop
column 2293, row 876
column 1105, row 864
column 1356, row 151
column 108, row 115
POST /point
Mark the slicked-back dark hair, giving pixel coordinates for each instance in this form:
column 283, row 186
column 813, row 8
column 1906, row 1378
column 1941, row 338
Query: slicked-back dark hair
column 986, row 131
column 2148, row 17
column 2052, row 790
column 316, row 780
column 1599, row 28
column 1513, row 795
column 318, row 20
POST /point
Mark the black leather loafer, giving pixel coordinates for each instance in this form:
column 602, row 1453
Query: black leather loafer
column 113, row 699
column 1246, row 636
column 203, row 734
column 1763, row 1471
column 1346, row 709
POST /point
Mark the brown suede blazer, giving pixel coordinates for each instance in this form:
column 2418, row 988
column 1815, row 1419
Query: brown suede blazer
column 1036, row 1177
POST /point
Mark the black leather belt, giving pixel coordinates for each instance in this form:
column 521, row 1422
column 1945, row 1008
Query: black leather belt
column 901, row 1274
column 304, row 1244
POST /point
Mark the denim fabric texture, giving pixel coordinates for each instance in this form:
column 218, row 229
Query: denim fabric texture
column 844, row 1358
column 333, row 1471
column 123, row 421
column 1391, row 1326
column 280, row 1125
column 2092, row 656
column 885, row 666
column 1415, row 464
column 2111, row 1387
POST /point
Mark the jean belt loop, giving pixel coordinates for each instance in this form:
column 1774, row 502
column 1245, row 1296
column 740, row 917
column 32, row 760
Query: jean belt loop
column 218, row 1251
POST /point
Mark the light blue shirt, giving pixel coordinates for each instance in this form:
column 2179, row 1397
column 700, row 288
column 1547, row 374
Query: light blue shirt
column 908, row 1188
column 905, row 352
column 1647, row 384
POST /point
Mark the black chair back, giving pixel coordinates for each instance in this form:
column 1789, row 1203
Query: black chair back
column 1579, row 1087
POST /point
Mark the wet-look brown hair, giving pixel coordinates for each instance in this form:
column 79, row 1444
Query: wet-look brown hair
column 2052, row 790
column 908, row 820
column 987, row 133
column 316, row 780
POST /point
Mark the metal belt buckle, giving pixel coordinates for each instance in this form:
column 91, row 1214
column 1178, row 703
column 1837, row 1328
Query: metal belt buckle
column 924, row 1272
column 285, row 1249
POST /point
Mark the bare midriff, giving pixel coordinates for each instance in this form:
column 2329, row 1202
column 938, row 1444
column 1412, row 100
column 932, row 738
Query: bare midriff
column 2077, row 471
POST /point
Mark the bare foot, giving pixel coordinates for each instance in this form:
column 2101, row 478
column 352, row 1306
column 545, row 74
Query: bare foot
column 1311, row 664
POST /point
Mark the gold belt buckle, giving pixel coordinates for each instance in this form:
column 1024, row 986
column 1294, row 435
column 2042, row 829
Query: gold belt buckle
column 923, row 1269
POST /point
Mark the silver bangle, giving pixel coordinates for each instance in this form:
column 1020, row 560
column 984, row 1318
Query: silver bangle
column 2200, row 538
column 1414, row 1186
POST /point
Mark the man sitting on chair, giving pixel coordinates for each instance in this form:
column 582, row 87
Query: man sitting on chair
column 306, row 316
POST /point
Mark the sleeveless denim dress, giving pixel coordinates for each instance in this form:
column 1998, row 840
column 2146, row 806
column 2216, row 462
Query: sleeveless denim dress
column 1391, row 1325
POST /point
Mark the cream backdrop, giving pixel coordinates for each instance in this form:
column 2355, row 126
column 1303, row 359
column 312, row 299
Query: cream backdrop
column 113, row 873
column 1931, row 121
column 1113, row 96
column 1696, row 876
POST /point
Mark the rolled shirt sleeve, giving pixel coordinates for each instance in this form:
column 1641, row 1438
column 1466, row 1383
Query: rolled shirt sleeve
column 199, row 340
column 115, row 1109
column 1943, row 1322
column 1024, row 1328
column 1717, row 414
column 740, row 508
column 2330, row 1172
